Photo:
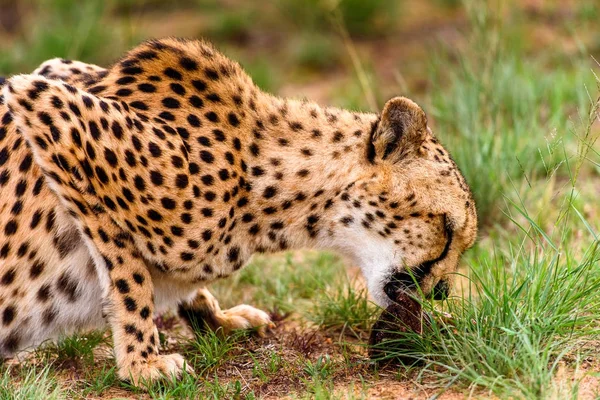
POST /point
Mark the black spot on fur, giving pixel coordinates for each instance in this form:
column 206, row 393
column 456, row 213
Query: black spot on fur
column 8, row 315
column 67, row 286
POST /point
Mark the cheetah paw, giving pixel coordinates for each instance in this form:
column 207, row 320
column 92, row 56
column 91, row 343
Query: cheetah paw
column 244, row 316
column 155, row 368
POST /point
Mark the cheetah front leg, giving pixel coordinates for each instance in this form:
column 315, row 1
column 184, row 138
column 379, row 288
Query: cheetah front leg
column 130, row 308
column 204, row 312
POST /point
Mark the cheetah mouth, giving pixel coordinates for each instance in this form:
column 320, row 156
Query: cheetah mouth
column 410, row 279
column 402, row 282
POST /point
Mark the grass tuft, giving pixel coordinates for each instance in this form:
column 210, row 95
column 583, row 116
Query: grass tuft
column 344, row 309
column 211, row 349
column 30, row 384
column 72, row 351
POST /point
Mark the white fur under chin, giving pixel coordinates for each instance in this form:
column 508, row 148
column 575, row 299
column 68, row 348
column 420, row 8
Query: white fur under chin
column 375, row 257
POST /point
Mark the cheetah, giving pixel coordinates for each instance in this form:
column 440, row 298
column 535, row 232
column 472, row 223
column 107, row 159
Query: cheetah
column 127, row 190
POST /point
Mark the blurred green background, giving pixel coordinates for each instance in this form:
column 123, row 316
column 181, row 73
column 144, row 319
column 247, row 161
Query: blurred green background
column 301, row 47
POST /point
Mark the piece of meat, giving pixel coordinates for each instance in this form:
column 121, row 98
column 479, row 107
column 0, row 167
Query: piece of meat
column 389, row 341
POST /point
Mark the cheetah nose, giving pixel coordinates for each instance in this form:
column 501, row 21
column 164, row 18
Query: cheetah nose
column 441, row 290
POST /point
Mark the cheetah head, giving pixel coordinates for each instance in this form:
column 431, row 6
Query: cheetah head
column 411, row 215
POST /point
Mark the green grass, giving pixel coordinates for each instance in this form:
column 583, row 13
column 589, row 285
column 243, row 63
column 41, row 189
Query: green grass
column 211, row 349
column 526, row 313
column 30, row 383
column 99, row 381
column 74, row 350
column 516, row 120
column 290, row 286
column 190, row 387
column 344, row 309
column 504, row 116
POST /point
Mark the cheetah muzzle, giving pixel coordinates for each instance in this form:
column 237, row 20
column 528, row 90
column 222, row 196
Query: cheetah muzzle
column 127, row 190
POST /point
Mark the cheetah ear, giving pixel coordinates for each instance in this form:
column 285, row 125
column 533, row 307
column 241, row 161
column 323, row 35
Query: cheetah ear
column 400, row 131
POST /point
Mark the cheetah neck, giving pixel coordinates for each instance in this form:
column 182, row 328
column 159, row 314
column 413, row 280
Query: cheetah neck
column 301, row 157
